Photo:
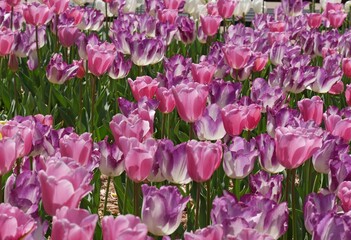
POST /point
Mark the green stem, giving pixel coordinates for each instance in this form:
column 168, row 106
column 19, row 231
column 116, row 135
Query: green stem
column 92, row 107
column 136, row 199
column 56, row 30
column 125, row 197
column 106, row 195
column 308, row 175
column 237, row 187
column 293, row 172
column 163, row 125
column 167, row 128
column 50, row 97
column 37, row 44
column 191, row 131
column 80, row 103
column 208, row 202
column 198, row 188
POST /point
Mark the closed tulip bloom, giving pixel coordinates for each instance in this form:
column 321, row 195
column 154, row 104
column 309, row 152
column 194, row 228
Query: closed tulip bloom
column 58, row 6
column 311, row 109
column 174, row 4
column 123, row 227
column 100, row 58
column 92, row 20
column 294, row 146
column 77, row 147
column 63, row 183
column 7, row 39
column 239, row 159
column 68, row 34
column 344, row 194
column 203, row 159
column 226, row 8
column 348, row 94
column 260, row 62
column 186, row 29
column 162, row 209
column 346, row 67
column 166, row 99
column 120, row 67
column 210, row 24
column 190, row 100
column 314, row 20
column 111, row 159
column 202, row 72
column 167, row 15
column 143, row 86
column 37, row 14
column 236, row 56
column 58, row 71
column 13, row 2
column 147, row 51
column 342, row 129
column 336, row 18
column 214, row 232
column 7, row 154
column 69, row 224
column 15, row 224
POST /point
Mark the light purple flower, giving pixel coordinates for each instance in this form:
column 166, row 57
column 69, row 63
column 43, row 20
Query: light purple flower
column 333, row 226
column 147, row 51
column 268, row 186
column 186, row 29
column 58, row 71
column 162, row 209
column 92, row 20
column 111, row 159
column 224, row 92
column 214, row 232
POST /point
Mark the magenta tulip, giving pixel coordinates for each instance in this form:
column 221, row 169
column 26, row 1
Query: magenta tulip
column 202, row 72
column 166, row 99
column 348, row 94
column 210, row 24
column 7, row 154
column 236, row 56
column 100, row 57
column 37, row 14
column 314, row 20
column 344, row 194
column 7, row 39
column 311, row 109
column 346, row 67
column 226, row 8
column 58, row 6
column 143, row 86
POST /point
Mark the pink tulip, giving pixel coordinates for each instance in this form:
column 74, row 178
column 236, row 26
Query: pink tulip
column 226, row 8
column 7, row 39
column 212, row 9
column 190, row 100
column 348, row 94
column 210, row 24
column 7, row 155
column 173, row 4
column 260, row 62
column 236, row 56
column 15, row 224
column 100, row 57
column 203, row 159
column 311, row 109
column 337, row 88
column 167, row 15
column 342, row 128
column 58, row 6
column 202, row 72
column 166, row 99
column 68, row 35
column 314, row 20
column 294, row 146
column 77, row 147
column 37, row 14
column 123, row 227
column 13, row 2
column 344, row 194
column 143, row 86
column 72, row 224
column 63, row 183
column 277, row 26
column 336, row 18
column 346, row 67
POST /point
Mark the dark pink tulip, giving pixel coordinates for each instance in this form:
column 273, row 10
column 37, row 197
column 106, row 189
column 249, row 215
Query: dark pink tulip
column 100, row 57
column 64, row 182
column 57, row 6
column 336, row 18
column 7, row 39
column 123, row 227
column 173, row 4
column 202, row 72
column 260, row 62
column 311, row 109
column 337, row 88
column 214, row 232
column 37, row 14
column 348, row 94
column 203, row 159
column 73, row 224
column 68, row 35
column 15, row 224
column 236, row 56
column 81, row 70
column 226, row 8
column 294, row 146
column 314, row 20
column 77, row 147
column 166, row 99
column 13, row 2
column 143, row 86
column 7, row 154
column 346, row 67
column 167, row 16
column 344, row 194
column 277, row 26
column 210, row 24
column 139, row 160
column 190, row 100
column 75, row 13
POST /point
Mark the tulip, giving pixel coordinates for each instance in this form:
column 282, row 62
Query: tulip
column 111, row 159
column 73, row 224
column 190, row 100
column 13, row 2
column 344, row 194
column 123, row 227
column 348, row 94
column 58, row 71
column 143, row 86
column 239, row 159
column 166, row 99
column 7, row 39
column 68, row 35
column 346, row 67
column 92, row 20
column 63, row 183
column 260, row 62
column 162, row 216
column 224, row 92
column 100, row 58
column 226, row 8
column 333, row 226
column 242, row 8
column 311, row 109
column 337, row 88
column 258, row 7
column 293, row 7
column 314, row 20
column 167, row 16
column 120, row 67
column 269, row 187
column 209, row 233
column 147, row 51
column 294, row 146
column 7, row 154
column 210, row 24
column 186, row 29
column 174, row 4
column 203, row 159
column 15, row 224
column 342, row 129
column 202, row 72
column 336, row 18
column 212, row 9
column 58, row 6
column 37, row 14
column 236, row 56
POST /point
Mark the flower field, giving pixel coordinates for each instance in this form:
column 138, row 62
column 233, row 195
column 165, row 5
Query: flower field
column 175, row 119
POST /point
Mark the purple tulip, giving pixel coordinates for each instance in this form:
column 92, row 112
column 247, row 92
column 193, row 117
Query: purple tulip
column 281, row 118
column 344, row 194
column 58, row 71
column 162, row 209
column 123, row 227
column 147, row 51
column 333, row 226
column 224, row 92
column 8, row 154
column 340, row 170
column 92, row 20
column 269, row 187
column 120, row 67
column 239, row 158
column 214, row 232
column 111, row 159
column 293, row 7
column 186, row 29
column 73, row 224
